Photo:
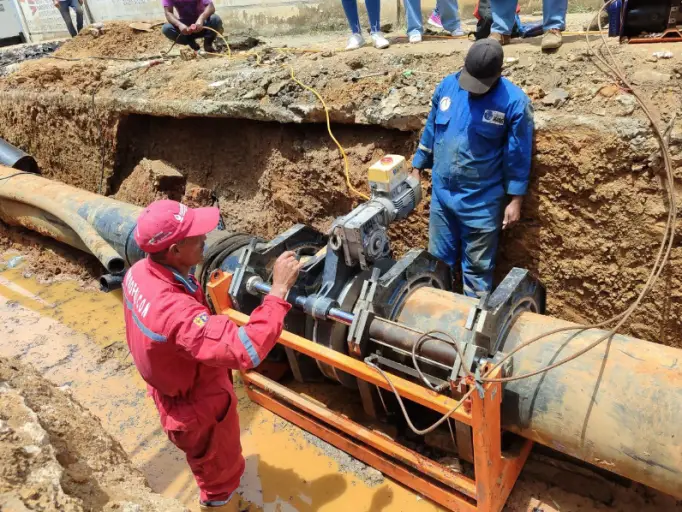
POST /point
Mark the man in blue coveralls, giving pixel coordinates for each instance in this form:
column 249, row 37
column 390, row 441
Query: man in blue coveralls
column 478, row 141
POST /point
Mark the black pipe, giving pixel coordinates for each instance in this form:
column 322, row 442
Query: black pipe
column 14, row 157
column 110, row 282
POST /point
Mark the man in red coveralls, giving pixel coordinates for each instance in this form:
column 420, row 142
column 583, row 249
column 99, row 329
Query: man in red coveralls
column 184, row 353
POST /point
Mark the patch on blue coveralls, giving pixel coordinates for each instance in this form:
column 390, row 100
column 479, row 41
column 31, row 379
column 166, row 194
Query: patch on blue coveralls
column 201, row 319
column 445, row 103
column 493, row 117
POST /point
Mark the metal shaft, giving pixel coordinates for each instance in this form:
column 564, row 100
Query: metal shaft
column 259, row 287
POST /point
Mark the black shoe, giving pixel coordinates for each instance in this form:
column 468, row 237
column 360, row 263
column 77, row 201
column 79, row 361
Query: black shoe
column 208, row 46
column 193, row 45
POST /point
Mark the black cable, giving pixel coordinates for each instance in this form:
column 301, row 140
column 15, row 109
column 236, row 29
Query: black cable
column 15, row 174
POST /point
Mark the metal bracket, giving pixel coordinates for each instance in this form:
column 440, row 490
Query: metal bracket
column 363, row 314
column 240, row 272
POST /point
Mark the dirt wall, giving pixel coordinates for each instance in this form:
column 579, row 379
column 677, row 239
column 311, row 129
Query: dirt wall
column 592, row 221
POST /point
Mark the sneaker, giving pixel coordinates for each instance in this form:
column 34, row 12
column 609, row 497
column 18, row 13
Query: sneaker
column 380, row 42
column 208, row 46
column 435, row 21
column 458, row 32
column 503, row 39
column 415, row 37
column 552, row 40
column 355, row 41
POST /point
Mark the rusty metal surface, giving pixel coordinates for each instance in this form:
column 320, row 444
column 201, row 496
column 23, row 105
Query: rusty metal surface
column 622, row 413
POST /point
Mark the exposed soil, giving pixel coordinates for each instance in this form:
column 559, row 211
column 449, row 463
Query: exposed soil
column 46, row 259
column 593, row 218
column 55, row 455
column 116, row 39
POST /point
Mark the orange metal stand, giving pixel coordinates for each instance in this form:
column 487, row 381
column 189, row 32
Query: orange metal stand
column 495, row 474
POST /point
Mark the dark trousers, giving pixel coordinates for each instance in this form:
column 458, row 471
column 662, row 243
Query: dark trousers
column 64, row 10
column 172, row 32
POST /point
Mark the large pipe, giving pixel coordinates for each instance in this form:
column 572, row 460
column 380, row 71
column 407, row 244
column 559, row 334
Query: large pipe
column 14, row 157
column 82, row 219
column 618, row 410
column 618, row 406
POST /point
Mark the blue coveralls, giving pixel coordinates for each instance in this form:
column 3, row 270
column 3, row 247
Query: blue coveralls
column 480, row 151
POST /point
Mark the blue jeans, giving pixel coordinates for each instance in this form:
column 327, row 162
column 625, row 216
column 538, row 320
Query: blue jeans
column 504, row 12
column 64, row 11
column 413, row 12
column 171, row 32
column 350, row 7
column 448, row 10
column 450, row 241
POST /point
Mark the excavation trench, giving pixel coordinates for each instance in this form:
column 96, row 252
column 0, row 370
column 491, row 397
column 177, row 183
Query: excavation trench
column 592, row 220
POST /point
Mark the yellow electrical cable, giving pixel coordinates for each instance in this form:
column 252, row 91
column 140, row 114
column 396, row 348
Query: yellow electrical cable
column 229, row 52
column 329, row 129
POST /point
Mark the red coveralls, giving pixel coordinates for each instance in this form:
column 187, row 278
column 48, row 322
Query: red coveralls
column 185, row 355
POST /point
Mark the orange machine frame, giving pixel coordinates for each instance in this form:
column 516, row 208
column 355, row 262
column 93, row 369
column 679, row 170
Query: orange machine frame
column 495, row 474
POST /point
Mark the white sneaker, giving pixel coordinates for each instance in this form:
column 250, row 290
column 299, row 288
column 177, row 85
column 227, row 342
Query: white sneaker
column 380, row 41
column 458, row 32
column 355, row 41
column 415, row 37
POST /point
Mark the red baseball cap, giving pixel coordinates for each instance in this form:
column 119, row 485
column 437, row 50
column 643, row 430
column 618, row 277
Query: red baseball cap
column 165, row 222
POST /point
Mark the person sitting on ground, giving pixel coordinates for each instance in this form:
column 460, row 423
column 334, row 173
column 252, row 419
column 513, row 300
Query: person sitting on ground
column 356, row 40
column 63, row 6
column 193, row 20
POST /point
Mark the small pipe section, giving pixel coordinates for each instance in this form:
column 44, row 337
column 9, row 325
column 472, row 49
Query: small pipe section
column 110, row 282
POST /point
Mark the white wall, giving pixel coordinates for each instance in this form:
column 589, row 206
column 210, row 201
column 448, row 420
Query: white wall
column 265, row 16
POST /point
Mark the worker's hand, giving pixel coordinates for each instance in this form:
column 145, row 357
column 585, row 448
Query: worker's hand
column 184, row 29
column 198, row 26
column 56, row 3
column 416, row 173
column 284, row 274
column 512, row 213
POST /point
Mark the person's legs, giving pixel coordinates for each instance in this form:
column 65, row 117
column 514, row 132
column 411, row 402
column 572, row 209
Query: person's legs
column 479, row 249
column 350, row 7
column 554, row 21
column 503, row 16
column 209, row 36
column 413, row 12
column 554, row 14
column 444, row 236
column 76, row 6
column 171, row 32
column 449, row 15
column 66, row 15
column 374, row 15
